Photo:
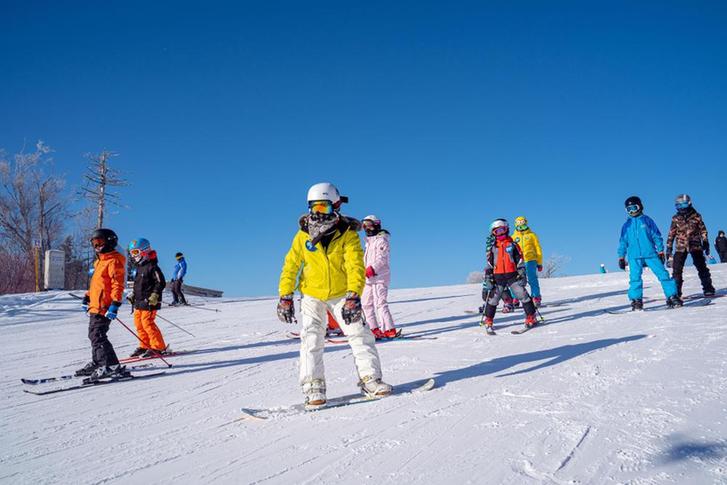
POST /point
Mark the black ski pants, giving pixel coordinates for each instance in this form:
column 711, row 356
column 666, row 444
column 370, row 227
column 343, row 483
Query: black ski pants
column 722, row 256
column 177, row 291
column 102, row 352
column 700, row 263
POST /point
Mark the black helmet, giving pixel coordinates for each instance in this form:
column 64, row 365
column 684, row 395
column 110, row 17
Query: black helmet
column 178, row 255
column 109, row 238
column 635, row 205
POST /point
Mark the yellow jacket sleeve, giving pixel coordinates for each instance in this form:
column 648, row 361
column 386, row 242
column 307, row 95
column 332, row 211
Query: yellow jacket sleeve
column 538, row 250
column 291, row 267
column 353, row 256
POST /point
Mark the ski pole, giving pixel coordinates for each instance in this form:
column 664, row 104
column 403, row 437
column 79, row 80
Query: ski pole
column 142, row 342
column 172, row 323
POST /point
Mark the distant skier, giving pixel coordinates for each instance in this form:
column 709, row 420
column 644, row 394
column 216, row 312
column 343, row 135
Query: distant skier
column 642, row 241
column 504, row 269
column 688, row 228
column 720, row 245
column 146, row 298
column 180, row 270
column 532, row 255
column 603, row 269
column 326, row 252
column 378, row 278
column 102, row 302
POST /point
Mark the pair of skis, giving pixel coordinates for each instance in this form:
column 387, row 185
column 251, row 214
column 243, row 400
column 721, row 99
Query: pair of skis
column 339, row 341
column 703, row 301
column 39, row 389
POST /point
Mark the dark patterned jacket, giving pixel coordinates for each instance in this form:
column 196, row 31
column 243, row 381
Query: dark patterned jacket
column 689, row 231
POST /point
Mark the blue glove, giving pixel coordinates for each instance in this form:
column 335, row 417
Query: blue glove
column 84, row 303
column 113, row 310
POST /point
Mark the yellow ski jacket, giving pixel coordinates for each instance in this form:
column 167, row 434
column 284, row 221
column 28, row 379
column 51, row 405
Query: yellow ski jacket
column 528, row 242
column 327, row 273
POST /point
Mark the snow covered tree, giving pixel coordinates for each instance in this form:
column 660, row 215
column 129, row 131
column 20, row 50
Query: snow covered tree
column 554, row 265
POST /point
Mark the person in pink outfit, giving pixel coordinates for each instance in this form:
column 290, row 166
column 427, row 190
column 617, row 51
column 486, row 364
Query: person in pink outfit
column 378, row 276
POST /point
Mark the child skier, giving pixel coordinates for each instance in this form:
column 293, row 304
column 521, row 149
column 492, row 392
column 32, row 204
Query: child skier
column 146, row 299
column 688, row 228
column 504, row 269
column 378, row 278
column 641, row 239
column 102, row 302
column 532, row 254
column 328, row 250
column 180, row 270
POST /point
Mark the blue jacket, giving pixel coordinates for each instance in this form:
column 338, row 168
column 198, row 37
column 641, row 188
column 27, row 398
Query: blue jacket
column 180, row 269
column 640, row 238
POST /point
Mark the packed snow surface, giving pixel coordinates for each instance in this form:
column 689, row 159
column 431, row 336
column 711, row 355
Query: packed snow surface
column 591, row 397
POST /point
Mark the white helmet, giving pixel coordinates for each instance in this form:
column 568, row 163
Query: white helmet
column 325, row 191
column 372, row 218
column 499, row 223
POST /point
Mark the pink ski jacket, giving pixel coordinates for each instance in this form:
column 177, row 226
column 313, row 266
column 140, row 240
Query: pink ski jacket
column 377, row 256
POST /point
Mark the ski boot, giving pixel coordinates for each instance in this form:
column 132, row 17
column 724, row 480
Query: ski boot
column 374, row 387
column 116, row 371
column 315, row 393
column 537, row 301
column 531, row 321
column 138, row 352
column 674, row 302
column 488, row 323
column 637, row 304
column 507, row 308
column 174, row 303
column 87, row 369
column 709, row 293
column 378, row 334
column 515, row 303
column 391, row 333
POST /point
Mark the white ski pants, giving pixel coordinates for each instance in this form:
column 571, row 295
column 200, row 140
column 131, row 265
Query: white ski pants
column 376, row 306
column 313, row 338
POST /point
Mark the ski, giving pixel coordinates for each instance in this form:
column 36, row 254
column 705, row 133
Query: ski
column 128, row 360
column 522, row 330
column 489, row 330
column 88, row 383
column 68, row 377
column 262, row 414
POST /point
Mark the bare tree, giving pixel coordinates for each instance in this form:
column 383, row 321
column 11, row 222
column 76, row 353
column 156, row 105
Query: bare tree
column 99, row 178
column 475, row 277
column 554, row 265
column 32, row 205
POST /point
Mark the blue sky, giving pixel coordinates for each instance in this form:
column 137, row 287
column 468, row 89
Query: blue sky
column 437, row 117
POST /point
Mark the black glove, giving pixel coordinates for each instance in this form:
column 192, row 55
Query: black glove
column 351, row 311
column 130, row 298
column 662, row 258
column 668, row 260
column 622, row 263
column 286, row 309
column 84, row 304
column 705, row 246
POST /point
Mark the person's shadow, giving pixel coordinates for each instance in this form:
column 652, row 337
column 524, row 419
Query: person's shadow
column 552, row 357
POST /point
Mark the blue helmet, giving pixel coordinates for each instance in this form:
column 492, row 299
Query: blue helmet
column 139, row 249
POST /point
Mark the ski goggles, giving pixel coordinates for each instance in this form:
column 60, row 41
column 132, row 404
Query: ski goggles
column 500, row 231
column 98, row 242
column 324, row 207
column 682, row 205
column 136, row 252
column 632, row 209
column 368, row 224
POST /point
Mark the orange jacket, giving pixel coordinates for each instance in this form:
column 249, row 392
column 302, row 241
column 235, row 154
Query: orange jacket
column 107, row 282
column 504, row 257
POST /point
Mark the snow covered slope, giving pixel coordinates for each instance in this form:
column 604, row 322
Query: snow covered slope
column 591, row 397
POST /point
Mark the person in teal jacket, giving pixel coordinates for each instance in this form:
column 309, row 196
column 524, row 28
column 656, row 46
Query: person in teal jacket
column 642, row 242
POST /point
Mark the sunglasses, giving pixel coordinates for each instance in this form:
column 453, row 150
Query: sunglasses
column 320, row 207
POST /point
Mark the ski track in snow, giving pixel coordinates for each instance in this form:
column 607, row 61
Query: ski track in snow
column 591, row 397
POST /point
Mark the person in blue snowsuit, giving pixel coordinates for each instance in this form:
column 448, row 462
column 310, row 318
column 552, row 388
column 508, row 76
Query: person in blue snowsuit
column 642, row 242
column 180, row 269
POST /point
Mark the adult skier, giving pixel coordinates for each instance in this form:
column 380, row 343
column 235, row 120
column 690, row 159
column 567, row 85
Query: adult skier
column 180, row 270
column 102, row 302
column 325, row 262
column 690, row 233
column 378, row 278
column 532, row 255
column 642, row 241
column 504, row 269
column 149, row 282
column 720, row 244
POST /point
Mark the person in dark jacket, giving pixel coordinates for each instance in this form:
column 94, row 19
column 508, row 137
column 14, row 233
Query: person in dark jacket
column 720, row 245
column 149, row 282
column 690, row 233
column 180, row 269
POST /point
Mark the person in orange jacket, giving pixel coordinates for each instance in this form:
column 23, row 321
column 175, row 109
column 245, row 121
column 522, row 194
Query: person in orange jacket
column 149, row 282
column 102, row 302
